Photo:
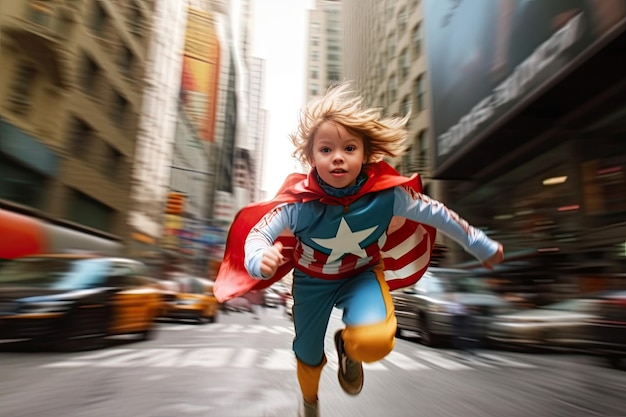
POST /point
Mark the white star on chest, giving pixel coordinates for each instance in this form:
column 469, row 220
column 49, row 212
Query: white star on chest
column 345, row 241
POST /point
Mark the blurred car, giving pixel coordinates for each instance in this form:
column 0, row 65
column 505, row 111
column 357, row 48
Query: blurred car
column 556, row 325
column 427, row 307
column 289, row 305
column 275, row 296
column 607, row 329
column 193, row 301
column 593, row 323
column 272, row 299
column 239, row 305
column 74, row 302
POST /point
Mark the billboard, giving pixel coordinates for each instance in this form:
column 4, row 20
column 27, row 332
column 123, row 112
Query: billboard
column 200, row 73
column 486, row 58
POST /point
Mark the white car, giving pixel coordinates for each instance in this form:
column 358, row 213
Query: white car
column 273, row 298
column 289, row 305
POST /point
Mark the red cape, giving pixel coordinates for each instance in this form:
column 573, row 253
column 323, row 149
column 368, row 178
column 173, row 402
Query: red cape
column 233, row 280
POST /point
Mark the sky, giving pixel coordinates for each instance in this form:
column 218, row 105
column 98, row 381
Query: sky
column 280, row 31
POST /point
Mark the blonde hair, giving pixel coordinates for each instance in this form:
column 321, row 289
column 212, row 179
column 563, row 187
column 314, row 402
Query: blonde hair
column 382, row 136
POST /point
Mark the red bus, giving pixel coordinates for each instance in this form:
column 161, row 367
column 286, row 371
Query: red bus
column 22, row 234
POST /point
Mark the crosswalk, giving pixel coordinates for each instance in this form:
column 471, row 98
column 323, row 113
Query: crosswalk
column 231, row 328
column 202, row 355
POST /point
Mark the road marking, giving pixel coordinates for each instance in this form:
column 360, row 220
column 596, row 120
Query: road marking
column 178, row 327
column 440, row 361
column 283, row 329
column 259, row 328
column 234, row 328
column 280, row 359
column 209, row 357
column 212, row 327
column 505, row 361
column 404, row 362
column 245, row 358
column 271, row 359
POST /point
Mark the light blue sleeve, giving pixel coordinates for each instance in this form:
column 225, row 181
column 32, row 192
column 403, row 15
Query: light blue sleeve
column 264, row 233
column 423, row 209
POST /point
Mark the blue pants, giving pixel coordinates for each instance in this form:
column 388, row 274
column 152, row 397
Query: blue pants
column 367, row 313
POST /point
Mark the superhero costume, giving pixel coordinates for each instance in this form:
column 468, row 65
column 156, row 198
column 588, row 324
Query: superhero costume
column 403, row 246
column 348, row 249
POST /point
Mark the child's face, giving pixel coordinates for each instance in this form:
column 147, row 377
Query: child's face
column 338, row 155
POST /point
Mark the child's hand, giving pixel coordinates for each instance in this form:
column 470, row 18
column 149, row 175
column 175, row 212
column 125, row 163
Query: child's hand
column 495, row 259
column 272, row 259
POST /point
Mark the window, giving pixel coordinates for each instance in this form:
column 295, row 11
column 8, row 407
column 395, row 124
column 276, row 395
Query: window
column 79, row 138
column 404, row 64
column 21, row 185
column 333, row 75
column 22, row 88
column 391, row 45
column 393, row 87
column 119, row 109
column 406, row 105
column 112, row 163
column 418, row 90
column 402, row 19
column 421, row 151
column 416, row 37
column 88, row 211
column 136, row 21
column 314, row 73
column 90, row 76
column 99, row 20
column 126, row 61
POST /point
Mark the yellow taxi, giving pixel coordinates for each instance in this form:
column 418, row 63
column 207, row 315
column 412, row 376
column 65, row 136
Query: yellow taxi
column 193, row 300
column 75, row 301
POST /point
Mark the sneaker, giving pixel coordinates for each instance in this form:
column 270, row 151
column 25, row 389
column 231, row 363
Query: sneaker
column 309, row 410
column 350, row 371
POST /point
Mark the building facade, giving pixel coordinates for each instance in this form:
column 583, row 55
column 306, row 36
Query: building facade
column 324, row 50
column 384, row 56
column 70, row 96
column 528, row 129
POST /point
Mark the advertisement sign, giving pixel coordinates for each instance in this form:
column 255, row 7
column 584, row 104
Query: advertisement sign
column 200, row 73
column 487, row 57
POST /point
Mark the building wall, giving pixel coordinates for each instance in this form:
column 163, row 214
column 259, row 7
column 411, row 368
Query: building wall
column 256, row 132
column 384, row 55
column 325, row 48
column 70, row 82
column 158, row 114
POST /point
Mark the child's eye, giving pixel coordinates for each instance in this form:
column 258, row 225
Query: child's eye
column 350, row 148
column 325, row 150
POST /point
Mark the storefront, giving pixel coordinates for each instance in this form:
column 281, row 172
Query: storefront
column 529, row 128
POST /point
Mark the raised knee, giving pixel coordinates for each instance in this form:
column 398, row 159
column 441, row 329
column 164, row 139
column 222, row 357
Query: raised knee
column 369, row 343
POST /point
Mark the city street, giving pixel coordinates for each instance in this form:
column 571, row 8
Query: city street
column 241, row 366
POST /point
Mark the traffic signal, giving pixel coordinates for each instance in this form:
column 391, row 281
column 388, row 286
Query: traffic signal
column 175, row 203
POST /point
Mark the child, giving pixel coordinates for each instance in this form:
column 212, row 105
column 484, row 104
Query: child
column 352, row 229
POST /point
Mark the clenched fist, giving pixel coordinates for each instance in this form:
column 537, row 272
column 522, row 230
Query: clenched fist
column 495, row 259
column 271, row 260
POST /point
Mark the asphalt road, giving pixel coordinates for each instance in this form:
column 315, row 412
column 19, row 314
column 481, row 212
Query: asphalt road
column 242, row 366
